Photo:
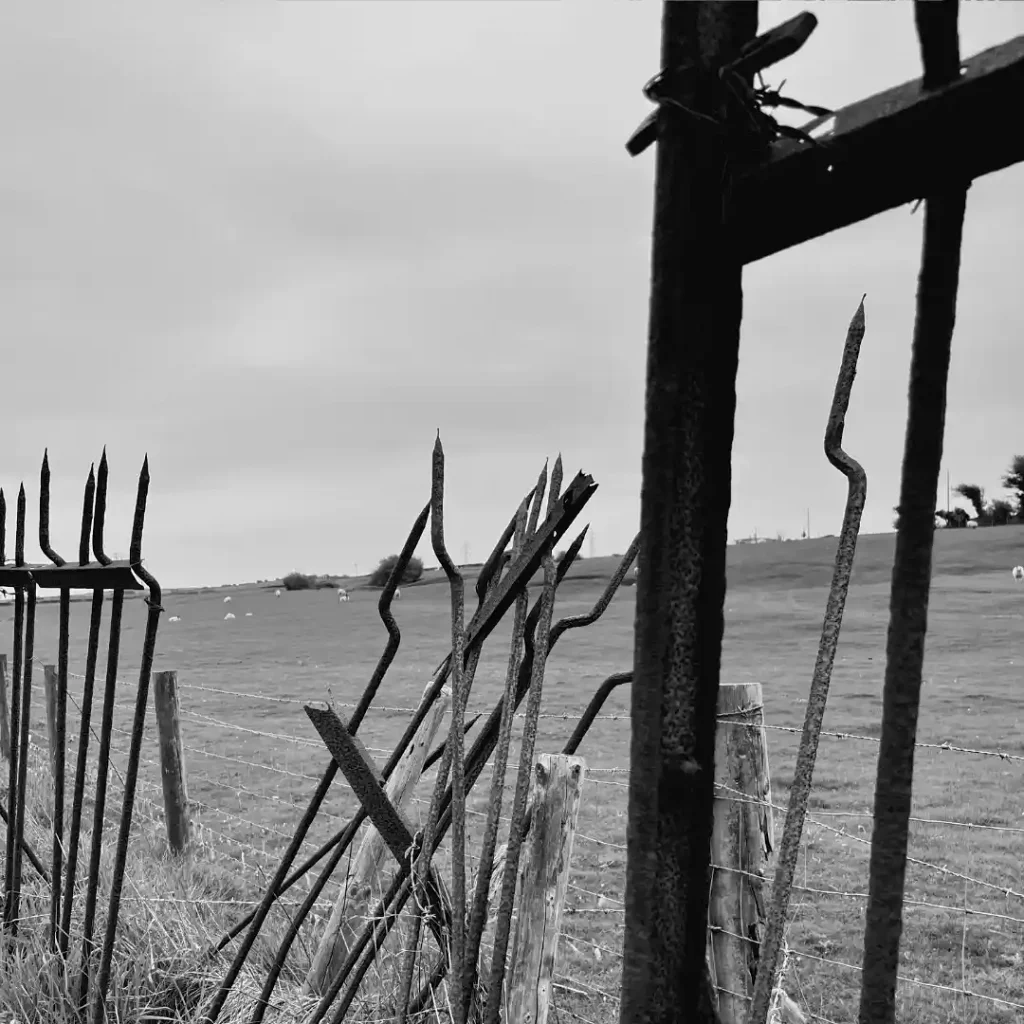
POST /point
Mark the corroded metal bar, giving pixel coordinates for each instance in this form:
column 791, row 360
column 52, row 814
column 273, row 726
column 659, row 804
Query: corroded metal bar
column 92, row 649
column 99, row 1014
column 593, row 709
column 92, row 576
column 692, row 361
column 103, row 753
column 24, row 642
column 485, row 865
column 915, row 531
column 15, row 724
column 60, row 729
column 800, row 789
column 457, row 589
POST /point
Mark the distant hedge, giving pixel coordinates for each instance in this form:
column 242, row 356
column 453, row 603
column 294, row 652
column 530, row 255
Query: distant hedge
column 298, row 581
column 379, row 576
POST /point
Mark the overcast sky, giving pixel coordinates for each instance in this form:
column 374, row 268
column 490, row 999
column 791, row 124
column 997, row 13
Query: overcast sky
column 277, row 246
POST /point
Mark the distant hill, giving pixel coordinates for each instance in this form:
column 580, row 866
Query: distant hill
column 808, row 563
column 785, row 564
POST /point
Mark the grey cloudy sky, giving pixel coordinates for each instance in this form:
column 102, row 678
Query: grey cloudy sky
column 278, row 245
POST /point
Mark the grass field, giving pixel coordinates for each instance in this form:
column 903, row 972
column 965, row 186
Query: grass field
column 252, row 757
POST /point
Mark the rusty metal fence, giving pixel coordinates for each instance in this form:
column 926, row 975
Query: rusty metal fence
column 92, row 977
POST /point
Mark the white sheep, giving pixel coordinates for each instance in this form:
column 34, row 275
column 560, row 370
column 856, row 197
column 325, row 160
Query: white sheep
column 226, row 599
column 342, row 594
column 174, row 618
column 229, row 616
column 277, row 593
column 398, row 593
column 1018, row 573
column 248, row 614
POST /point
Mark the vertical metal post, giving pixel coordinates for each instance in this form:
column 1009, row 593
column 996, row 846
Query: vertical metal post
column 693, row 352
column 915, row 533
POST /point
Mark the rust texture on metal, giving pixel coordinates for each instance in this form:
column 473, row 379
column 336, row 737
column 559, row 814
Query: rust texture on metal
column 343, row 837
column 461, row 681
column 485, row 864
column 882, row 152
column 817, row 698
column 503, row 923
column 496, row 593
column 502, row 583
column 912, row 564
column 692, row 360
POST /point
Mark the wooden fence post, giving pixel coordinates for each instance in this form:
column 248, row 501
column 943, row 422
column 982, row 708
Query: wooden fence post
column 353, row 906
column 50, row 695
column 741, row 843
column 172, row 761
column 5, row 725
column 543, row 880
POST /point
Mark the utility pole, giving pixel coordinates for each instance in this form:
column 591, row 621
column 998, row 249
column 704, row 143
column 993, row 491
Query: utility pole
column 692, row 359
column 808, row 524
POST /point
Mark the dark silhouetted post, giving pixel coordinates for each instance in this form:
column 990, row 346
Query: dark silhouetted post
column 692, row 357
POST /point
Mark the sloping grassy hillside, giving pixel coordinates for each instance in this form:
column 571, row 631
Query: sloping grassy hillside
column 808, row 563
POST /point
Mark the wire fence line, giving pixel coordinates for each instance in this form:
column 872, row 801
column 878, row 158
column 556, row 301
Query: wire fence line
column 230, row 813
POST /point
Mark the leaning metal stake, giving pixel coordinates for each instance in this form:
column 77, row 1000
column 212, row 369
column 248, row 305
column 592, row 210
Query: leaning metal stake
column 803, row 774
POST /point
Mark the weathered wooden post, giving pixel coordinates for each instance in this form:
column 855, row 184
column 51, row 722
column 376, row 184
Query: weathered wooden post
column 50, row 697
column 5, row 725
column 353, row 906
column 741, row 844
column 692, row 359
column 172, row 761
column 543, row 881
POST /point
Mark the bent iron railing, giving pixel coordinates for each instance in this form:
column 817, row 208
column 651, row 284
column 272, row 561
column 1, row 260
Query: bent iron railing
column 100, row 575
column 456, row 919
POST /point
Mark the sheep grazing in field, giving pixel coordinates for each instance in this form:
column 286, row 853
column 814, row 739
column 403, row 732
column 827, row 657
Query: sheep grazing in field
column 342, row 594
column 398, row 593
column 227, row 599
column 174, row 618
column 1018, row 573
column 277, row 593
column 229, row 616
column 248, row 615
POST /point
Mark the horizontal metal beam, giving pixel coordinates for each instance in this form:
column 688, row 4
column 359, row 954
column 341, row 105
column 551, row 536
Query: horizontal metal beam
column 91, row 576
column 881, row 152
